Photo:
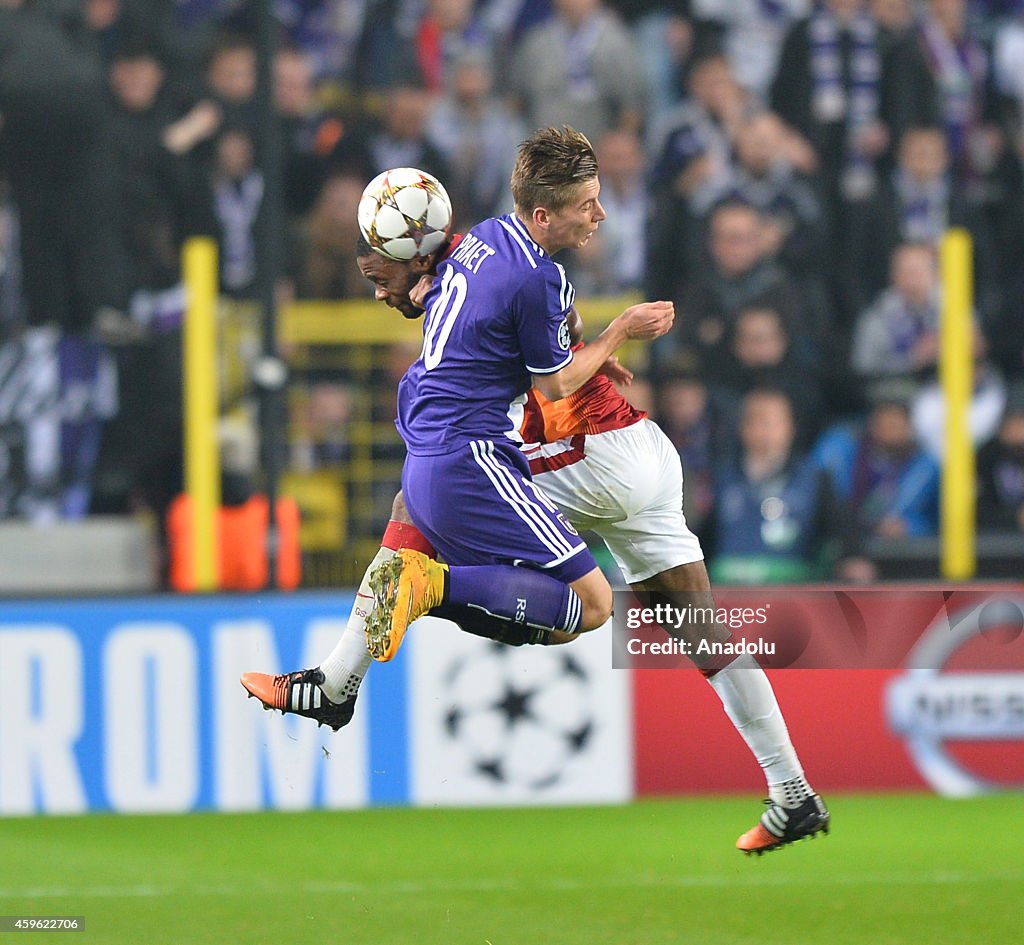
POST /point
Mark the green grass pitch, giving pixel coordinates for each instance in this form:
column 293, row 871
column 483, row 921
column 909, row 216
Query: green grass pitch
column 897, row 870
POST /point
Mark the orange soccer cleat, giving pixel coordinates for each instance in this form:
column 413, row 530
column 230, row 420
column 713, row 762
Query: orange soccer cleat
column 781, row 825
column 404, row 588
column 300, row 694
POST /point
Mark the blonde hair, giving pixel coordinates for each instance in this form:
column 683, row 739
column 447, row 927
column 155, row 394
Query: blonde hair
column 551, row 165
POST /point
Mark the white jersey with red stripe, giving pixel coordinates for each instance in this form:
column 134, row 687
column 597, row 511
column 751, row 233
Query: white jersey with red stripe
column 554, row 432
column 612, row 471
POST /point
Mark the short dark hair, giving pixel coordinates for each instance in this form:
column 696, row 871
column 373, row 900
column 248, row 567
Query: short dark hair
column 732, row 202
column 551, row 165
column 362, row 247
column 770, row 392
column 228, row 41
column 935, row 130
column 135, row 46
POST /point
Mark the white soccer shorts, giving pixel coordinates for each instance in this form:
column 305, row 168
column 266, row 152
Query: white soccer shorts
column 629, row 490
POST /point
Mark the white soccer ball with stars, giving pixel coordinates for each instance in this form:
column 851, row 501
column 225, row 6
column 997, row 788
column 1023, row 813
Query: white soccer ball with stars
column 404, row 212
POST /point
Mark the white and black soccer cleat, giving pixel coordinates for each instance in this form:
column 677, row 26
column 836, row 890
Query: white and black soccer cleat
column 781, row 825
column 300, row 694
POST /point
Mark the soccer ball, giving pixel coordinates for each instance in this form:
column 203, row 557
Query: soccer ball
column 404, row 212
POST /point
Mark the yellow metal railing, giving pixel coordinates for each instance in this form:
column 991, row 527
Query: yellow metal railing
column 369, row 322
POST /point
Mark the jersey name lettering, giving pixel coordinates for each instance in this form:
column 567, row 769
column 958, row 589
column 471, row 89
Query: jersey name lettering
column 472, row 252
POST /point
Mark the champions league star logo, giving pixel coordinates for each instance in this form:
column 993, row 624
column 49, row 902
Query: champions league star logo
column 931, row 706
column 515, row 725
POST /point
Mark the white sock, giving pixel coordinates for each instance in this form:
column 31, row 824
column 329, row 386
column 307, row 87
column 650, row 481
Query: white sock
column 349, row 661
column 750, row 704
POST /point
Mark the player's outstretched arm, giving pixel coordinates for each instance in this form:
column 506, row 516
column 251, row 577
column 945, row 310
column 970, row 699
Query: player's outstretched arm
column 643, row 322
column 618, row 373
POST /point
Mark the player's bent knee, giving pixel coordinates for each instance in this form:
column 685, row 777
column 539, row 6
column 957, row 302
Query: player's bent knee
column 596, row 615
column 558, row 637
column 595, row 595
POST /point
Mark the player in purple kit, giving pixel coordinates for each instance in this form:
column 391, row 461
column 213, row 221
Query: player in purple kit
column 607, row 470
column 497, row 320
column 495, row 325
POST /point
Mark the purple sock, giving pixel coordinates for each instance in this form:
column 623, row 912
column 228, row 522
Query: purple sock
column 517, row 594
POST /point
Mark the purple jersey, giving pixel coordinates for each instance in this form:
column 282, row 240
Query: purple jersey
column 495, row 316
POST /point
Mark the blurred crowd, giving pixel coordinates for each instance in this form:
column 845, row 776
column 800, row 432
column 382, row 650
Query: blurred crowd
column 782, row 169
